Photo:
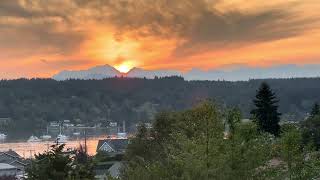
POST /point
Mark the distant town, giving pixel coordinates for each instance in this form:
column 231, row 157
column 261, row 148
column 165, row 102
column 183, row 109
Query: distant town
column 114, row 143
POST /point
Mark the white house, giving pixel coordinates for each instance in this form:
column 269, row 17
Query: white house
column 8, row 170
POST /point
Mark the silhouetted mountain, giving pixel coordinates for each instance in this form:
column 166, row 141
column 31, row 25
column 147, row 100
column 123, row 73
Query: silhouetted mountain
column 234, row 73
column 244, row 73
column 98, row 72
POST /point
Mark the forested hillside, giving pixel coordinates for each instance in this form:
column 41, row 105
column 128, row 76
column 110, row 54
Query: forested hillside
column 32, row 103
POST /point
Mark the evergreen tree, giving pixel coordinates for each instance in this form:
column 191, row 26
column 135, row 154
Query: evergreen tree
column 315, row 110
column 266, row 112
column 57, row 164
column 140, row 144
column 311, row 128
column 53, row 164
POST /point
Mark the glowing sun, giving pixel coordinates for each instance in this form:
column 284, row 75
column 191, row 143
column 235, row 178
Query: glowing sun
column 124, row 67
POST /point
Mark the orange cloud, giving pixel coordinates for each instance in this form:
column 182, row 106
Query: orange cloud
column 41, row 38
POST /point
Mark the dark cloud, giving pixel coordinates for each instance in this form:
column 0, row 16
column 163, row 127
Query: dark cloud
column 36, row 8
column 214, row 31
column 13, row 8
column 199, row 23
column 32, row 27
column 32, row 39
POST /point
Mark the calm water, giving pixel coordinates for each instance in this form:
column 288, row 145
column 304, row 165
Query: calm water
column 28, row 149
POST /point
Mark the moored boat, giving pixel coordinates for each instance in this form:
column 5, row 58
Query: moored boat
column 33, row 139
column 76, row 133
column 61, row 138
column 45, row 137
column 3, row 136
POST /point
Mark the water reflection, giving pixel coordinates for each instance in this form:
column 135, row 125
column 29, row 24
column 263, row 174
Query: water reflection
column 28, row 149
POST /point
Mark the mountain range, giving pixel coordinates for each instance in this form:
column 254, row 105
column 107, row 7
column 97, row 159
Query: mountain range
column 239, row 73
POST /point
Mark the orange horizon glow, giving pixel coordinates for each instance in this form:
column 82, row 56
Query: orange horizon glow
column 124, row 67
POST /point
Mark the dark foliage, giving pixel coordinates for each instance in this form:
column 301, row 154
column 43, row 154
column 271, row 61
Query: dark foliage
column 83, row 166
column 54, row 164
column 210, row 142
column 266, row 112
column 58, row 164
column 31, row 104
column 315, row 110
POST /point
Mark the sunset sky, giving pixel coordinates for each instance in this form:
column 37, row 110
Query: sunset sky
column 39, row 38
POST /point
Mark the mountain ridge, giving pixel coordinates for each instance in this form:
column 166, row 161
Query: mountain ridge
column 241, row 73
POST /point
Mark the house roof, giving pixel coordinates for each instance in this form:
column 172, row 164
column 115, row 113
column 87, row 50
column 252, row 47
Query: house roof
column 12, row 153
column 12, row 158
column 118, row 145
column 114, row 170
column 18, row 162
column 4, row 166
column 112, row 167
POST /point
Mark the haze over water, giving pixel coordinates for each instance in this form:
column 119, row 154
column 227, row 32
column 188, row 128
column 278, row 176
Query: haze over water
column 27, row 149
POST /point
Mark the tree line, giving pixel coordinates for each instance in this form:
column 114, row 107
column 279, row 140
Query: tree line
column 32, row 103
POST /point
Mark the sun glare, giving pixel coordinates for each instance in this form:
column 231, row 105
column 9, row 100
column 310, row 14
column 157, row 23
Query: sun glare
column 124, row 67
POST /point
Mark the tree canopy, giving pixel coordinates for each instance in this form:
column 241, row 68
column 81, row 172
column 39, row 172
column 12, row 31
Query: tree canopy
column 58, row 164
column 315, row 110
column 266, row 112
column 209, row 142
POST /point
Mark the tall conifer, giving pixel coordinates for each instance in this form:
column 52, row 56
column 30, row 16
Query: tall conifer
column 315, row 110
column 266, row 112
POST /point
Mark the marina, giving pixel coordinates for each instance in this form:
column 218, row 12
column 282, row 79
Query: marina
column 63, row 133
